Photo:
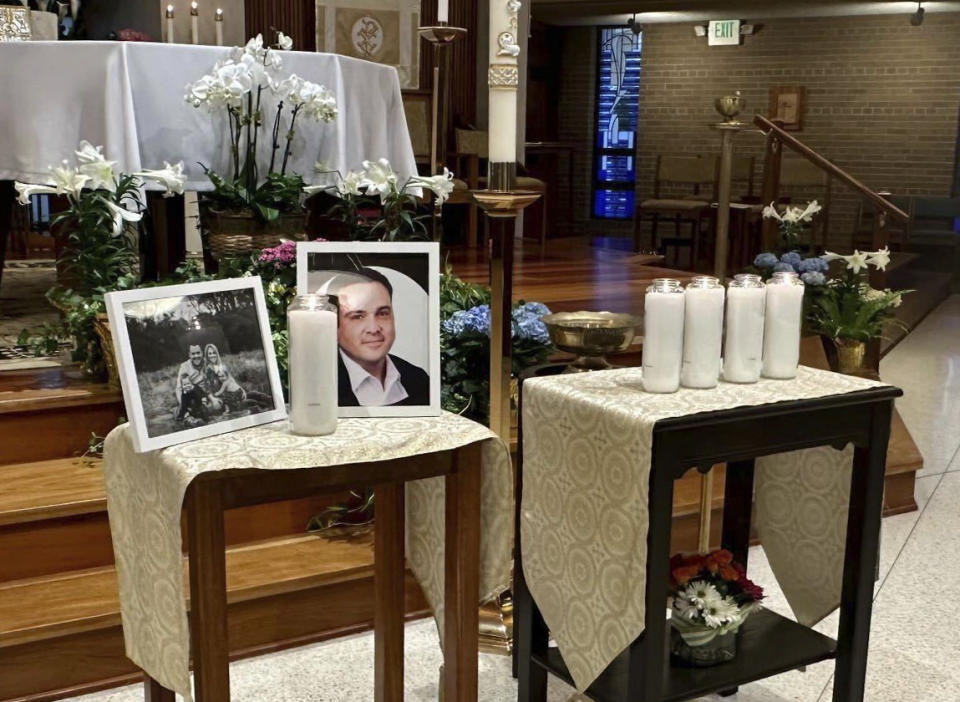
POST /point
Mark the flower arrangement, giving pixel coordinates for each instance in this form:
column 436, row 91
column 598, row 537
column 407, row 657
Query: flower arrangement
column 378, row 186
column 100, row 251
column 793, row 220
column 712, row 597
column 241, row 86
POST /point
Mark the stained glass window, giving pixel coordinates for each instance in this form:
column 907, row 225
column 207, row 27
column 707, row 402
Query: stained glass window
column 618, row 89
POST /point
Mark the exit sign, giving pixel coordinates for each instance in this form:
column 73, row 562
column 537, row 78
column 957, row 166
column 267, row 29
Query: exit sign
column 723, row 32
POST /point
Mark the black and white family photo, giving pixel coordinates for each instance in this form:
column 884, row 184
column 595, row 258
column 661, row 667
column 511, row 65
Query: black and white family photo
column 196, row 361
column 388, row 334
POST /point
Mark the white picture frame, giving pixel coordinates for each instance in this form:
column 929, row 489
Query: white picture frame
column 249, row 392
column 418, row 316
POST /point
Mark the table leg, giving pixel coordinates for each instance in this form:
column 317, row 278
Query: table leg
column 461, row 622
column 155, row 692
column 860, row 560
column 388, row 614
column 531, row 638
column 645, row 676
column 737, row 505
column 208, row 593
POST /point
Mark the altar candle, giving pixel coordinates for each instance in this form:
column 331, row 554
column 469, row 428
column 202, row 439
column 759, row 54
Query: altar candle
column 743, row 345
column 781, row 325
column 194, row 23
column 502, row 78
column 702, row 332
column 443, row 11
column 218, row 23
column 663, row 335
column 312, row 325
column 169, row 24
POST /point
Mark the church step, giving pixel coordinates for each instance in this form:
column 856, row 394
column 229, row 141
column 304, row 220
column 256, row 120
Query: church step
column 61, row 635
column 929, row 290
column 51, row 412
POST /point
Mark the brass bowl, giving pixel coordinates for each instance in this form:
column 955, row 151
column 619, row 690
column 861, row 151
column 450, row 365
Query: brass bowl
column 591, row 336
column 730, row 105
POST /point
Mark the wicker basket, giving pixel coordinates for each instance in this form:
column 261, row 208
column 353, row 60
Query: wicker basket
column 234, row 234
column 102, row 326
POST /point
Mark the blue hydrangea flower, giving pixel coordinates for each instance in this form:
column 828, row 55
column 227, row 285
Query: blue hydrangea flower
column 822, row 265
column 765, row 260
column 783, row 267
column 813, row 278
column 807, row 265
column 527, row 324
column 791, row 257
column 476, row 319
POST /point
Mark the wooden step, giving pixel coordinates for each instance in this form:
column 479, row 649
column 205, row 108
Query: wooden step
column 61, row 635
column 61, row 487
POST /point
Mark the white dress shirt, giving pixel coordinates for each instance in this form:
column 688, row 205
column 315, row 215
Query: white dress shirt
column 369, row 391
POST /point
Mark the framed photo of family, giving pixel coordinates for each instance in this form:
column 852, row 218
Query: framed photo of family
column 388, row 302
column 195, row 360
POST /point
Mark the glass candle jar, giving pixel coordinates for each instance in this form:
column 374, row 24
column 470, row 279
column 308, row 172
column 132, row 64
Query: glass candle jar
column 663, row 335
column 702, row 332
column 312, row 325
column 781, row 325
column 743, row 345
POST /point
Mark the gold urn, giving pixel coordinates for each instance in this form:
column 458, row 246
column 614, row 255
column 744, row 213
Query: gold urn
column 729, row 106
column 591, row 336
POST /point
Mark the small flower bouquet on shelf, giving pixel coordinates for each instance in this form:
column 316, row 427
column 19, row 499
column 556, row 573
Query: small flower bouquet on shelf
column 712, row 597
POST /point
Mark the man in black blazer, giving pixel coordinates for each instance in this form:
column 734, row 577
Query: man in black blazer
column 369, row 375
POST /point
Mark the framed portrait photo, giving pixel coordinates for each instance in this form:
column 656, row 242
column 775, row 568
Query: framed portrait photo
column 388, row 329
column 195, row 360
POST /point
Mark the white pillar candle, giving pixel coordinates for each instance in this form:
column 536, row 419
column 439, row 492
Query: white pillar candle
column 218, row 23
column 702, row 332
column 781, row 326
column 194, row 23
column 312, row 326
column 662, row 335
column 503, row 79
column 743, row 345
column 443, row 11
column 169, row 24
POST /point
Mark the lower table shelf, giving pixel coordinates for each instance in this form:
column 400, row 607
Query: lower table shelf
column 768, row 644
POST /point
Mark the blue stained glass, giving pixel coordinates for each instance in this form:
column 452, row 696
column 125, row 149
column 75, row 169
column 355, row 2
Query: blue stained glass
column 618, row 90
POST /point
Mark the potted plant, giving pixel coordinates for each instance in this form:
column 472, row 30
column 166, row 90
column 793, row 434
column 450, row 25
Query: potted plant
column 100, row 251
column 256, row 205
column 712, row 597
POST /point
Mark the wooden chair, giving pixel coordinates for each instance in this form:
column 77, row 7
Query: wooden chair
column 471, row 148
column 693, row 172
column 418, row 108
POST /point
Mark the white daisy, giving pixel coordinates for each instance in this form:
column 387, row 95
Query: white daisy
column 719, row 612
column 701, row 593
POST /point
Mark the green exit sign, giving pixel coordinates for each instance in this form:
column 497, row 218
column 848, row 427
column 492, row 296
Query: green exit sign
column 723, row 32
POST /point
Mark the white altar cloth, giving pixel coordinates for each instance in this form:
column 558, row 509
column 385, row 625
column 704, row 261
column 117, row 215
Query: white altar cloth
column 128, row 97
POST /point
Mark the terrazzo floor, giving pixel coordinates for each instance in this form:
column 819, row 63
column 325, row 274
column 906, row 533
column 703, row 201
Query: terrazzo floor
column 914, row 646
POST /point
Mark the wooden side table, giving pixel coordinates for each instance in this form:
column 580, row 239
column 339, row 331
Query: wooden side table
column 768, row 643
column 213, row 492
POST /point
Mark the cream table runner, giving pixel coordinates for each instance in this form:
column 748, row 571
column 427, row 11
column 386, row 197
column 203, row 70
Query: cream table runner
column 586, row 466
column 145, row 495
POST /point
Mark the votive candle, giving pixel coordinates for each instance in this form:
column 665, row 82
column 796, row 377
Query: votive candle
column 218, row 23
column 781, row 326
column 702, row 332
column 743, row 344
column 663, row 335
column 170, row 37
column 312, row 355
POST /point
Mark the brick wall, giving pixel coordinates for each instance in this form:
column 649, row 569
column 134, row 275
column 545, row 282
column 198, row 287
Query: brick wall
column 882, row 100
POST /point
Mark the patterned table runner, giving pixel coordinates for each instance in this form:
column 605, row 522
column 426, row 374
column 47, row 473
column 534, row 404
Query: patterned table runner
column 145, row 495
column 586, row 466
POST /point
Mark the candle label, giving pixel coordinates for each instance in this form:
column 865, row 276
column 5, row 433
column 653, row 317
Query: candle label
column 503, row 75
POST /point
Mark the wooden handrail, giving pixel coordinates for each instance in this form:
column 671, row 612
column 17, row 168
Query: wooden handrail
column 785, row 138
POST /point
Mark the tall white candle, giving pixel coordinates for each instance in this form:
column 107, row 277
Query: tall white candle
column 443, row 10
column 312, row 325
column 503, row 78
column 662, row 335
column 702, row 332
column 743, row 345
column 170, row 24
column 781, row 326
column 218, row 23
column 194, row 23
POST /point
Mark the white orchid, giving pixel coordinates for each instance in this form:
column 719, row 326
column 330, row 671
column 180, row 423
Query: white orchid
column 379, row 178
column 441, row 185
column 315, row 100
column 170, row 177
column 262, row 54
column 879, row 259
column 120, row 215
column 284, row 42
column 93, row 164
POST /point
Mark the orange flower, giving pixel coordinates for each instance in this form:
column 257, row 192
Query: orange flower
column 729, row 573
column 684, row 574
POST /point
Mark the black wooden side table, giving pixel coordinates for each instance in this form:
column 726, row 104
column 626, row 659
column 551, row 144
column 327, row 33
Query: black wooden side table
column 768, row 643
